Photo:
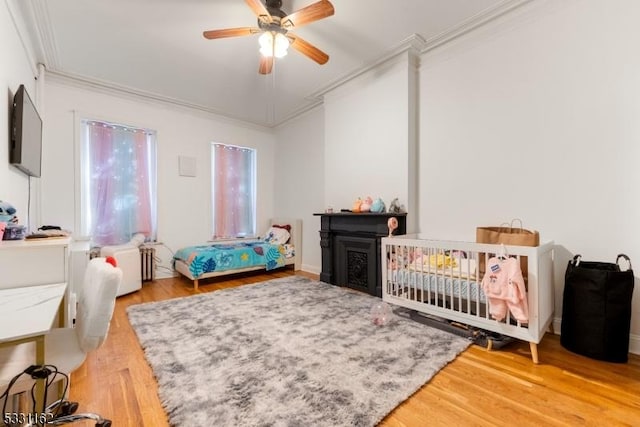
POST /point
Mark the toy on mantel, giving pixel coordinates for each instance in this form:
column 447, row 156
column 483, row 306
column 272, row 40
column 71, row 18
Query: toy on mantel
column 356, row 205
column 378, row 206
column 396, row 207
column 366, row 204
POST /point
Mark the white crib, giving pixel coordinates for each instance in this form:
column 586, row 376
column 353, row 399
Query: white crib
column 443, row 279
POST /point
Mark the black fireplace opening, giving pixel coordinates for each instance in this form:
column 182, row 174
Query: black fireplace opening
column 356, row 262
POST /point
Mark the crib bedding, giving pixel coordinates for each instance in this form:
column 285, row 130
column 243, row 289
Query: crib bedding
column 203, row 259
column 438, row 285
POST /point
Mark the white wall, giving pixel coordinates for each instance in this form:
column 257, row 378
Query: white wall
column 299, row 177
column 369, row 139
column 538, row 117
column 16, row 68
column 362, row 143
column 184, row 203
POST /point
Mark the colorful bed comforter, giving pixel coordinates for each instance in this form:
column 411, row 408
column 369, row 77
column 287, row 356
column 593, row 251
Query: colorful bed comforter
column 229, row 256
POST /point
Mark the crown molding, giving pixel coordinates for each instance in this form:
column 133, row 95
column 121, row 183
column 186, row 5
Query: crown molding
column 416, row 45
column 23, row 34
column 470, row 24
column 413, row 45
column 46, row 38
column 127, row 92
column 298, row 112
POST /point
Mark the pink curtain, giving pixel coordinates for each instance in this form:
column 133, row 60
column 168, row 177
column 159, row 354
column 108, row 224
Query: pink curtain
column 233, row 191
column 120, row 179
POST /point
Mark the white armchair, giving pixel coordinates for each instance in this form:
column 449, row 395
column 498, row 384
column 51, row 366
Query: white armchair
column 127, row 257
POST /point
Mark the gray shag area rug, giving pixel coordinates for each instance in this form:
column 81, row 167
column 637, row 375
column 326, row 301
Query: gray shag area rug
column 286, row 352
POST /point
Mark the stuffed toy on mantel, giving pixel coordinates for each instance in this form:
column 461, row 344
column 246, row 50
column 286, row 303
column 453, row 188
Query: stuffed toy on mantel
column 356, row 205
column 366, row 204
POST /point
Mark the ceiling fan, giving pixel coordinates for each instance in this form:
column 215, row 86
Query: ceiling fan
column 274, row 27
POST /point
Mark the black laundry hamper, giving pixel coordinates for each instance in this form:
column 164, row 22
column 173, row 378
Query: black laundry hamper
column 596, row 310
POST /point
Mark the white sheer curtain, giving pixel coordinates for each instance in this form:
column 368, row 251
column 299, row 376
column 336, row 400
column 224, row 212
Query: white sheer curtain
column 118, row 182
column 233, row 191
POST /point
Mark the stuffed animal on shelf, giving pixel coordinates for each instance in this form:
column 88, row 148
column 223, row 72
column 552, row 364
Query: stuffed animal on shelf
column 356, row 205
column 377, row 206
column 396, row 207
column 366, row 204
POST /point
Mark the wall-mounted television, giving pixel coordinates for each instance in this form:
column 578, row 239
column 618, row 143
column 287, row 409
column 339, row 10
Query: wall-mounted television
column 25, row 147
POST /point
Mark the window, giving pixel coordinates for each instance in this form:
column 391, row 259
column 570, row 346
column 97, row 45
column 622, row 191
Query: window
column 117, row 182
column 233, row 179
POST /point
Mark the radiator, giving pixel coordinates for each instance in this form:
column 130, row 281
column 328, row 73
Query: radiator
column 148, row 263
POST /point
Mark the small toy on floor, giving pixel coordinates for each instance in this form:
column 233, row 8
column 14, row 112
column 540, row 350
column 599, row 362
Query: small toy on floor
column 381, row 313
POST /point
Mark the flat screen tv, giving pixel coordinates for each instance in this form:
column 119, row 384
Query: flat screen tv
column 25, row 151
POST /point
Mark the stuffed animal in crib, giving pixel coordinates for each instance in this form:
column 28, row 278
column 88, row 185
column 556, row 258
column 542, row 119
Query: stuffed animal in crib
column 7, row 213
column 366, row 204
column 377, row 206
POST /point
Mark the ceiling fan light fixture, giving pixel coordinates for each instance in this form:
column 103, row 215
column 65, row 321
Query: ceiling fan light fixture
column 274, row 29
column 273, row 43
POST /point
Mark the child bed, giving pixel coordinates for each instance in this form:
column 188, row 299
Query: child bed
column 241, row 255
column 444, row 279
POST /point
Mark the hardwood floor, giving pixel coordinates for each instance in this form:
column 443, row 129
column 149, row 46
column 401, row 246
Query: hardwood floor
column 479, row 388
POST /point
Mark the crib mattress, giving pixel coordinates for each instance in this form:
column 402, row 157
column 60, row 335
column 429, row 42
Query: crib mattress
column 437, row 285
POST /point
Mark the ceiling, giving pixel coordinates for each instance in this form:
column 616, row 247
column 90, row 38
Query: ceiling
column 156, row 47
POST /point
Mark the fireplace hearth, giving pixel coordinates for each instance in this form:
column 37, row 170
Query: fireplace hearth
column 350, row 244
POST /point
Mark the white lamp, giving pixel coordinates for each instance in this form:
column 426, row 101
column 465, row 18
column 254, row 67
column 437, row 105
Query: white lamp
column 273, row 44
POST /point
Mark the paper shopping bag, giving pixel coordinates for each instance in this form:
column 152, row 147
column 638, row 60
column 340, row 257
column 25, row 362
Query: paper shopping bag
column 508, row 235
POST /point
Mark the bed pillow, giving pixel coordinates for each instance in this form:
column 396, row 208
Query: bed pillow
column 277, row 236
column 285, row 226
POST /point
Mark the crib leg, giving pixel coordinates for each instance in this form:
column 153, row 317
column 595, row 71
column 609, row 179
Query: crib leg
column 195, row 285
column 534, row 352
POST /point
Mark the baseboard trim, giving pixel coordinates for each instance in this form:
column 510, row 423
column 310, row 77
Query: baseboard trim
column 310, row 269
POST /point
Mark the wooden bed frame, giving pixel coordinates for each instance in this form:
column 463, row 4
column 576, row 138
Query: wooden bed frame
column 295, row 239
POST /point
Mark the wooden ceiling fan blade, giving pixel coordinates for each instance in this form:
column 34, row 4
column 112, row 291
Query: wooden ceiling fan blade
column 266, row 64
column 260, row 10
column 308, row 14
column 308, row 49
column 230, row 32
